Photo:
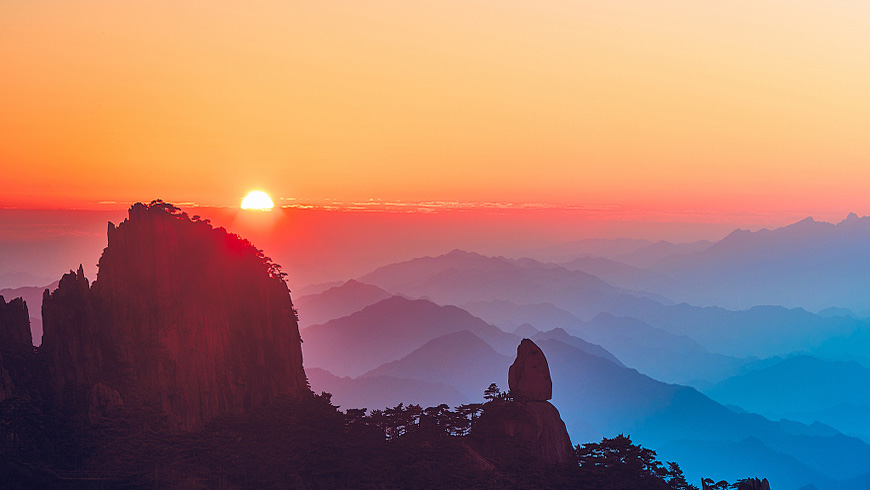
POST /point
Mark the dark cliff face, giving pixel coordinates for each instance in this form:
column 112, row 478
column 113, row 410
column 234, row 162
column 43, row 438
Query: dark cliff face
column 14, row 325
column 535, row 425
column 21, row 372
column 14, row 342
column 184, row 318
column 72, row 346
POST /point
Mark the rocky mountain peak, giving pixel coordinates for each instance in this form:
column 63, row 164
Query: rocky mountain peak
column 189, row 320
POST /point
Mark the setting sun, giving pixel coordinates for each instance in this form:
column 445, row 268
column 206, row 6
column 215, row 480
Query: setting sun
column 257, row 200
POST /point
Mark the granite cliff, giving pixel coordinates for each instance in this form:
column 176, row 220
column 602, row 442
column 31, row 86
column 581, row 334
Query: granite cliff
column 15, row 344
column 183, row 318
column 14, row 325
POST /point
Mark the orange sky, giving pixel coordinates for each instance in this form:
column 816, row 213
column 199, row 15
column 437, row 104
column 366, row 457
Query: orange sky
column 742, row 106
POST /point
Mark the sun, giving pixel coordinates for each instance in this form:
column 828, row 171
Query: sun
column 257, row 200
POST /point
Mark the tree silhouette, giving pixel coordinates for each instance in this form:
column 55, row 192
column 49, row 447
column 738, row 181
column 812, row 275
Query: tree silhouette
column 709, row 484
column 492, row 392
column 676, row 479
column 617, row 463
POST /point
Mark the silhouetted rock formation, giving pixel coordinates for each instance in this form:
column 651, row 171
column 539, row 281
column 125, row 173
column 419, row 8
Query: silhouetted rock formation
column 529, row 375
column 14, row 326
column 529, row 419
column 16, row 348
column 71, row 342
column 183, row 318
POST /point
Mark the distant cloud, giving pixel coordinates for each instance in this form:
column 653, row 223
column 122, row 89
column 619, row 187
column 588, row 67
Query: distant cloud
column 436, row 206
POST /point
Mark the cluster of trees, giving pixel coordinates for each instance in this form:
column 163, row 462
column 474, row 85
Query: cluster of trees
column 403, row 419
column 741, row 484
column 620, row 463
column 400, row 420
column 493, row 393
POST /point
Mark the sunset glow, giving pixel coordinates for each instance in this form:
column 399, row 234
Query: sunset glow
column 257, row 200
column 670, row 198
column 673, row 106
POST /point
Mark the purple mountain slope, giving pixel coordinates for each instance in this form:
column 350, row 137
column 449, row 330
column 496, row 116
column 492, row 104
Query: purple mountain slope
column 462, row 277
column 588, row 347
column 389, row 330
column 472, row 365
column 617, row 273
column 655, row 253
column 337, row 302
column 589, row 247
column 654, row 351
column 809, row 264
column 379, row 392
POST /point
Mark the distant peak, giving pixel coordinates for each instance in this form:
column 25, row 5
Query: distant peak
column 808, row 223
column 357, row 287
column 350, row 285
column 851, row 218
column 739, row 232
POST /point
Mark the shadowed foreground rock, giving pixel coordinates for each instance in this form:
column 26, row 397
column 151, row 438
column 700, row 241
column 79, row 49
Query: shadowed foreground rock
column 528, row 419
column 185, row 319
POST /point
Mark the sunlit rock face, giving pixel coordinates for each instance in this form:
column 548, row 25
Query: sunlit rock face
column 183, row 318
column 529, row 419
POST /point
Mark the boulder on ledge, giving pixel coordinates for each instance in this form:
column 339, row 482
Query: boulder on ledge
column 526, row 419
column 529, row 375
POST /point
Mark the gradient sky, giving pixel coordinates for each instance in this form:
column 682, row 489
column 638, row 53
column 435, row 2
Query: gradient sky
column 734, row 107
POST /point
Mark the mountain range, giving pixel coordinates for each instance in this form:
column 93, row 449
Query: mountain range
column 806, row 389
column 597, row 394
column 709, row 352
column 389, row 330
column 808, row 264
